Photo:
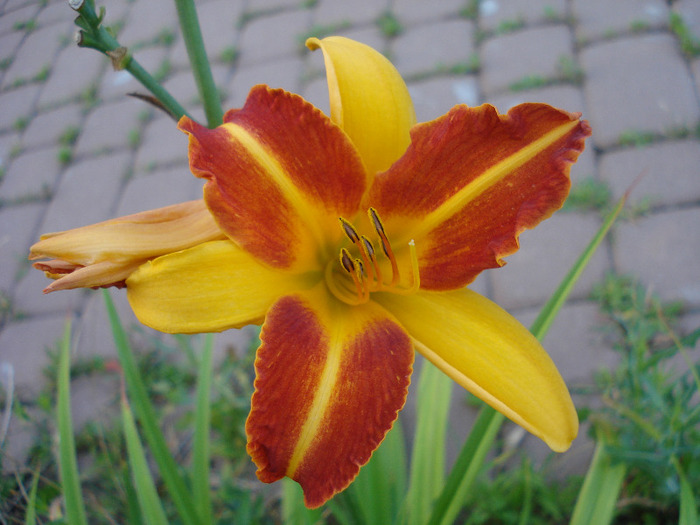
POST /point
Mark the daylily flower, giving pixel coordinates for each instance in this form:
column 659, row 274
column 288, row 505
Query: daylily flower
column 351, row 239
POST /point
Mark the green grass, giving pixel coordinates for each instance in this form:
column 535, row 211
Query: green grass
column 510, row 25
column 230, row 55
column 636, row 138
column 589, row 195
column 69, row 136
column 389, row 25
column 470, row 11
column 690, row 44
column 27, row 25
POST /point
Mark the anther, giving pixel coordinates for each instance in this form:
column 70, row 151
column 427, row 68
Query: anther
column 386, row 246
column 350, row 231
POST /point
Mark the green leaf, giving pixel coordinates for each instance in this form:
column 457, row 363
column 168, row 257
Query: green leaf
column 151, row 508
column 146, row 415
column 596, row 501
column 427, row 474
column 689, row 507
column 30, row 516
column 67, row 463
column 201, row 447
column 293, row 510
column 379, row 489
column 468, row 464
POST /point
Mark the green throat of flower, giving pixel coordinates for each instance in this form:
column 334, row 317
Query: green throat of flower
column 357, row 276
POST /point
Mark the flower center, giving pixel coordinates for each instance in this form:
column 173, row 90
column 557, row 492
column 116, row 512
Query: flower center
column 364, row 272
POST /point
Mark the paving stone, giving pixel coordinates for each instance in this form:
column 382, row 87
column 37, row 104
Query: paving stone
column 316, row 92
column 566, row 97
column 109, row 127
column 256, row 46
column 37, row 51
column 669, row 173
column 596, row 19
column 116, row 84
column 284, row 74
column 162, row 188
column 9, row 43
column 450, row 43
column 33, row 174
column 658, row 97
column 146, row 20
column 10, row 20
column 17, row 104
column 419, row 11
column 358, row 12
column 95, row 399
column 546, row 254
column 9, row 144
column 19, row 441
column 83, row 65
column 47, row 127
column 434, row 97
column 18, row 225
column 497, row 15
column 695, row 68
column 218, row 21
column 93, row 334
column 662, row 251
column 161, row 143
column 24, row 345
column 87, row 193
column 56, row 12
column 535, row 53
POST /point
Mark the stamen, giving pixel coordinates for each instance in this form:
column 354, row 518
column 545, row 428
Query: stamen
column 350, row 231
column 415, row 273
column 374, row 267
column 386, row 246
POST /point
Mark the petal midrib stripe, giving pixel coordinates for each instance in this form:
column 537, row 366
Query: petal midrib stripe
column 490, row 177
column 269, row 163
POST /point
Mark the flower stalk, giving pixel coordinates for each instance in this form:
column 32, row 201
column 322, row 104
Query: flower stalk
column 94, row 35
column 189, row 24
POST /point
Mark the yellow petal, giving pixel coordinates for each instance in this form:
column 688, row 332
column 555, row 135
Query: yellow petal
column 209, row 288
column 133, row 237
column 488, row 352
column 368, row 99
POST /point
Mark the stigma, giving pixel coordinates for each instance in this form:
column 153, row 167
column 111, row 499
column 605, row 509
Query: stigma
column 364, row 269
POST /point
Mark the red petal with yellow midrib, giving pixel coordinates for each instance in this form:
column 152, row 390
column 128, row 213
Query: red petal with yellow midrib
column 472, row 181
column 279, row 175
column 328, row 388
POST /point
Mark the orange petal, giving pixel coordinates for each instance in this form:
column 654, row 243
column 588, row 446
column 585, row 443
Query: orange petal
column 330, row 382
column 472, row 181
column 279, row 176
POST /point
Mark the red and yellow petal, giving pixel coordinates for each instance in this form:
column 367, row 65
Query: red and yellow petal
column 472, row 181
column 487, row 351
column 209, row 288
column 279, row 174
column 330, row 382
column 369, row 100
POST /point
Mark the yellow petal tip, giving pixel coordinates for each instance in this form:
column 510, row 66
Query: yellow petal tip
column 313, row 43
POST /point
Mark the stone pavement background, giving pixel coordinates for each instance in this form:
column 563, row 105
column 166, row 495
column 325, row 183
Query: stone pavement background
column 75, row 150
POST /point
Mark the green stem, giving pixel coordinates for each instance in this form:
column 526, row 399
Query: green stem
column 189, row 24
column 95, row 36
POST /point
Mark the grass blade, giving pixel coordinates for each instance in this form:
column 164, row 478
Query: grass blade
column 427, row 474
column 67, row 463
column 293, row 510
column 151, row 508
column 596, row 501
column 688, row 506
column 201, row 447
column 145, row 413
column 30, row 516
column 379, row 489
column 464, row 472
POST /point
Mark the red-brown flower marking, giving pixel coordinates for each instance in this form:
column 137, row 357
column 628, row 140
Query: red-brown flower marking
column 350, row 377
column 488, row 178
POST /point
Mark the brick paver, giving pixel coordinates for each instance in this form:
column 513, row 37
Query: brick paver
column 618, row 63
